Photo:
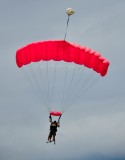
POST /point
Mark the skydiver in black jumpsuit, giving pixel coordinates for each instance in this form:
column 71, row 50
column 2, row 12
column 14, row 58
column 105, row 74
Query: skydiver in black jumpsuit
column 53, row 129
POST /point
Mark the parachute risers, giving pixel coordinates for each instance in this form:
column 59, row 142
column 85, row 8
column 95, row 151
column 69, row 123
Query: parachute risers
column 55, row 113
column 59, row 50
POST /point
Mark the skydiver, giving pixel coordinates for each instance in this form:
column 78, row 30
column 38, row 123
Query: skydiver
column 53, row 129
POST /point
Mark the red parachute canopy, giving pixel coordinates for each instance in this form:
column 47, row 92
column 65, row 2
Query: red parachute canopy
column 59, row 50
column 55, row 113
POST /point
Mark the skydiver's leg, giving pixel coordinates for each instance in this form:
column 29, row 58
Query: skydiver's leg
column 52, row 138
column 49, row 137
column 54, row 135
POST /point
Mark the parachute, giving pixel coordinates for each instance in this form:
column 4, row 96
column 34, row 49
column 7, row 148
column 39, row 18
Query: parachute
column 61, row 51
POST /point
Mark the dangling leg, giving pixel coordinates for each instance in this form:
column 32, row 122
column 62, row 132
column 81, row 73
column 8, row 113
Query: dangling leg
column 54, row 135
column 52, row 138
column 49, row 137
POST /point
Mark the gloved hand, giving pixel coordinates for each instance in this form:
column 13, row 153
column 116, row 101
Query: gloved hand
column 50, row 116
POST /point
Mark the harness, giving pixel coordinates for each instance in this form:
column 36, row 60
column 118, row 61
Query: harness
column 53, row 127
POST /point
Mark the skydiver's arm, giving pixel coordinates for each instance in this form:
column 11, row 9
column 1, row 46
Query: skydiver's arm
column 50, row 118
column 58, row 123
column 59, row 118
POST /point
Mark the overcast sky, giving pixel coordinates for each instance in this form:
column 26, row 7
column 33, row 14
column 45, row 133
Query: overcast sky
column 94, row 127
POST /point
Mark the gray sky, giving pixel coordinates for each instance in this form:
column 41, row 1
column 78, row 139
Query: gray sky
column 94, row 127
